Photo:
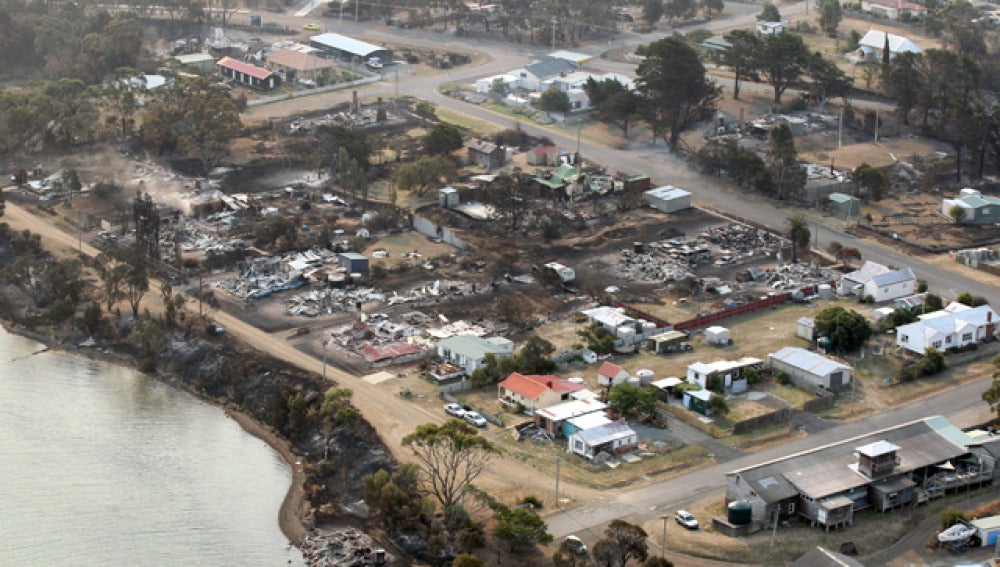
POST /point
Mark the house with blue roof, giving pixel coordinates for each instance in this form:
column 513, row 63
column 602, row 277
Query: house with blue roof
column 879, row 282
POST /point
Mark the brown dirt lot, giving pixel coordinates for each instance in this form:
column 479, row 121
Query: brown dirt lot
column 918, row 217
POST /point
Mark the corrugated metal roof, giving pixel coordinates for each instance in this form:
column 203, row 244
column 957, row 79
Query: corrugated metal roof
column 815, row 364
column 605, row 433
column 895, row 276
column 549, row 68
column 246, row 68
column 570, row 409
column 827, row 471
column 298, row 60
column 841, row 198
column 987, row 523
column 668, row 192
column 346, row 44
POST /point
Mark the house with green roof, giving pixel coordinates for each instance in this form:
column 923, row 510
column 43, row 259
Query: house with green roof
column 468, row 352
column 845, row 205
column 979, row 208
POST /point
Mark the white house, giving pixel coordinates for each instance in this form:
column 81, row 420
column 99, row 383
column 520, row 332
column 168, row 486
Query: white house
column 726, row 370
column 469, row 351
column 530, row 77
column 613, row 319
column 954, row 326
column 809, row 370
column 878, row 281
column 873, row 43
column 485, row 85
column 891, row 9
column 772, row 28
column 613, row 438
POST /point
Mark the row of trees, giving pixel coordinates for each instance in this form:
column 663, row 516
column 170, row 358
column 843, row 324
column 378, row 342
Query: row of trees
column 782, row 61
column 673, row 94
column 195, row 117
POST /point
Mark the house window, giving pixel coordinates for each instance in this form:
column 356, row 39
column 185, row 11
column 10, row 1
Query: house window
column 947, row 340
column 791, row 507
column 904, row 339
column 967, row 337
column 936, row 344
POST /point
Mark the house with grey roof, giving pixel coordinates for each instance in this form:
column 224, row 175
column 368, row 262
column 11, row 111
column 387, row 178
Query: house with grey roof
column 878, row 281
column 882, row 470
column 613, row 438
column 347, row 48
column 468, row 352
column 531, row 76
column 811, row 371
column 978, row 208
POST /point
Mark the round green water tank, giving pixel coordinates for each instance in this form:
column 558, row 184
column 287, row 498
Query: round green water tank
column 740, row 513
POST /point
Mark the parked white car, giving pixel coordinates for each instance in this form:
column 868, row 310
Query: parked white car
column 475, row 419
column 685, row 519
column 455, row 410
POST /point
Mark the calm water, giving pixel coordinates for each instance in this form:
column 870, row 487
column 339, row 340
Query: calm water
column 100, row 465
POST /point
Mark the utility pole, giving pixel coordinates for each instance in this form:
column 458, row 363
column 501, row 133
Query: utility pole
column 840, row 130
column 558, row 462
column 663, row 542
column 325, row 344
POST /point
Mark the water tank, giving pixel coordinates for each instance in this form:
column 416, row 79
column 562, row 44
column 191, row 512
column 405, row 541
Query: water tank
column 825, row 343
column 740, row 513
column 637, row 247
column 645, row 376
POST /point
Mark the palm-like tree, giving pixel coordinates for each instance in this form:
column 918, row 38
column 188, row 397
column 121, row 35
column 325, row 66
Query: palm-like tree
column 798, row 233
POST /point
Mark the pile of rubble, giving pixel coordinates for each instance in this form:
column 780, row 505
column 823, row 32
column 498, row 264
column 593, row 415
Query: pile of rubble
column 741, row 239
column 378, row 337
column 328, row 301
column 672, row 260
column 260, row 277
column 650, row 267
column 346, row 547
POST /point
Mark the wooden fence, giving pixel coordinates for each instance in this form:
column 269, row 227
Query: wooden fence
column 775, row 417
column 639, row 314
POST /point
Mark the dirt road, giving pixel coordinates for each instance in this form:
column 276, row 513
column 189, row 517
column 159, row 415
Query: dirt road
column 391, row 415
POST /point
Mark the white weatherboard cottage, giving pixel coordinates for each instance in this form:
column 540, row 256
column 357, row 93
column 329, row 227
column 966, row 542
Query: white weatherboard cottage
column 954, row 326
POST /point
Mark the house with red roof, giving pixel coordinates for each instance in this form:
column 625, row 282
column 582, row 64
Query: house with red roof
column 248, row 74
column 536, row 391
column 610, row 374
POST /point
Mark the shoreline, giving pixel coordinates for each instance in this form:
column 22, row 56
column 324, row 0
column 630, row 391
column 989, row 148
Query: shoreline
column 293, row 506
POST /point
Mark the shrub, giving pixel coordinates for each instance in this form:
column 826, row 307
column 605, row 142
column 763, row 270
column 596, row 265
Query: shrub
column 532, row 500
column 782, row 378
column 951, row 516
